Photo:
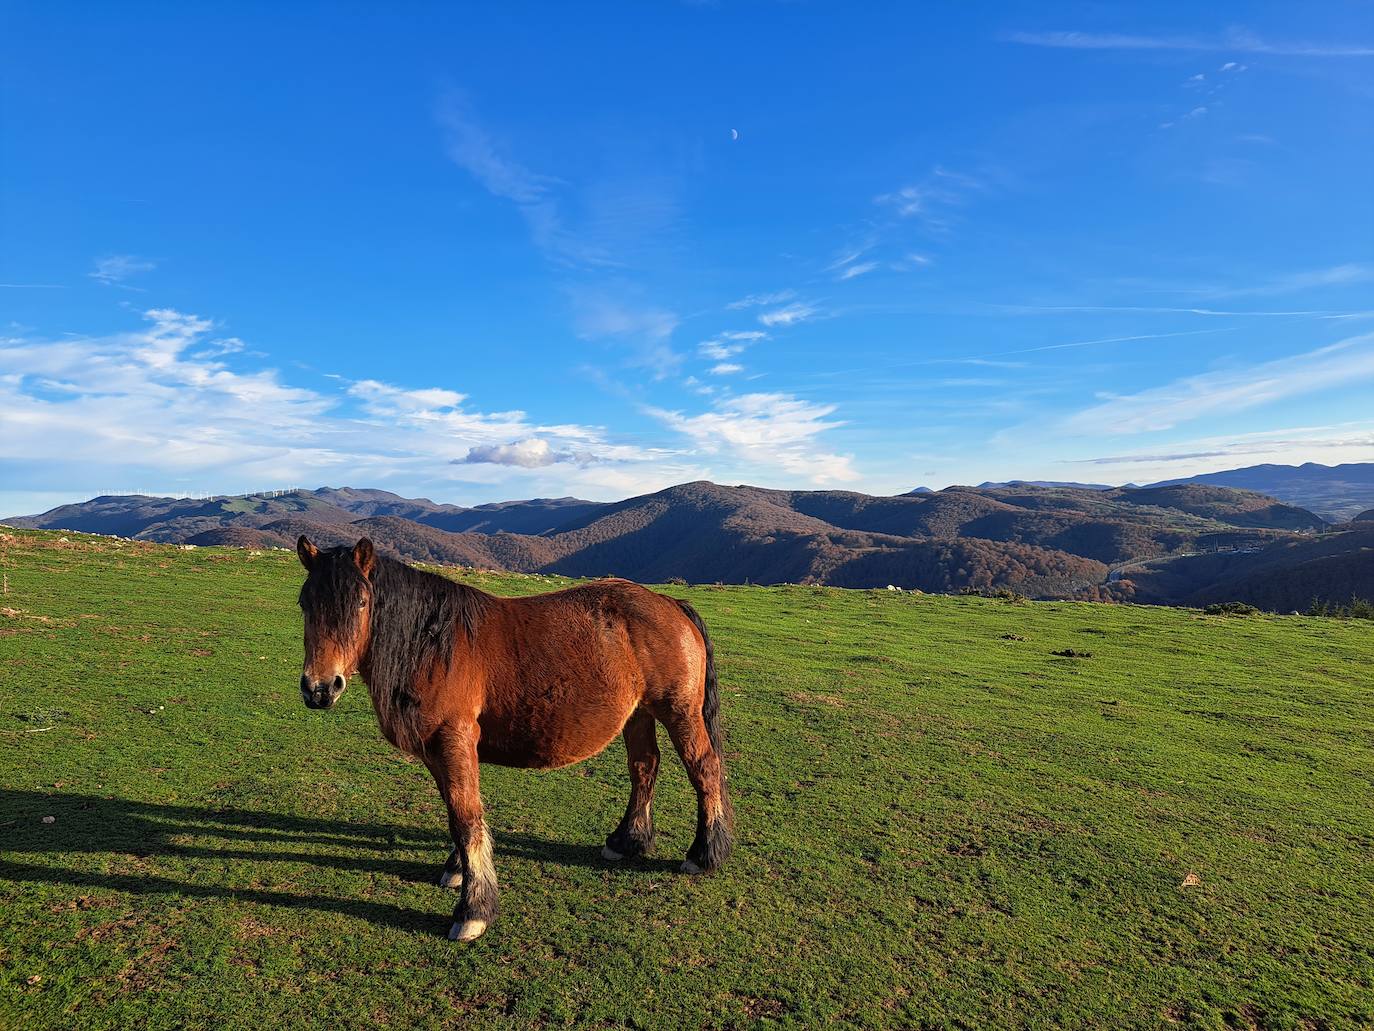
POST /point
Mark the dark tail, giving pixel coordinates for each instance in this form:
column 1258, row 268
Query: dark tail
column 710, row 707
column 715, row 833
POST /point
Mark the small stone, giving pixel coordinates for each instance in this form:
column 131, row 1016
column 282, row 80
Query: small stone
column 50, row 819
column 1191, row 881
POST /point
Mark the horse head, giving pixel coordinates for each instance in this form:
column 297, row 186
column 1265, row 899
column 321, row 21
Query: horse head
column 336, row 602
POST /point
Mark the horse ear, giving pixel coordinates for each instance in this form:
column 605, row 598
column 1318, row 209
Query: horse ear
column 365, row 556
column 306, row 551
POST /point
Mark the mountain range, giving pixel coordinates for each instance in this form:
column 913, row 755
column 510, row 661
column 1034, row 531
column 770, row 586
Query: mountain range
column 1181, row 543
column 1335, row 492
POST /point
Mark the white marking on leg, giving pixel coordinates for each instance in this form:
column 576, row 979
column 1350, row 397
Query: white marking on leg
column 468, row 930
column 479, row 858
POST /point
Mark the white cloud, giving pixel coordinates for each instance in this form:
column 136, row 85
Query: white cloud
column 762, row 300
column 789, row 315
column 933, row 199
column 1227, row 391
column 726, row 369
column 150, row 406
column 854, row 271
column 530, row 453
column 1334, row 444
column 1337, row 275
column 767, row 432
column 471, row 148
column 728, row 344
column 647, row 330
column 848, row 257
column 1238, row 41
column 116, row 268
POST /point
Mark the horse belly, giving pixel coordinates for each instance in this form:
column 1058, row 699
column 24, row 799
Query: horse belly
column 551, row 735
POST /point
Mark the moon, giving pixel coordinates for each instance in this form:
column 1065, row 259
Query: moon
column 734, row 134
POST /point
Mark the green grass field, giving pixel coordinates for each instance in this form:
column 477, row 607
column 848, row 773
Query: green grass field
column 941, row 823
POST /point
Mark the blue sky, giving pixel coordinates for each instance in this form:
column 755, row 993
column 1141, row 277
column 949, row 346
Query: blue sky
column 533, row 250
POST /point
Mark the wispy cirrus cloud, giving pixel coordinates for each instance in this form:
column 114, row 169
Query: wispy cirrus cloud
column 858, row 269
column 1308, row 313
column 766, row 433
column 1227, row 391
column 1348, row 274
column 762, row 300
column 1341, row 442
column 589, row 224
column 789, row 315
column 646, row 331
column 730, row 343
column 537, row 197
column 1236, row 41
column 933, row 199
column 116, row 269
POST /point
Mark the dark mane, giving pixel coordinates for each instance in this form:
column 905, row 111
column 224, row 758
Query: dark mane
column 415, row 619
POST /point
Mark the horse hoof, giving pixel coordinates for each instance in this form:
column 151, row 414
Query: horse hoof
column 451, row 879
column 609, row 853
column 468, row 930
column 690, row 867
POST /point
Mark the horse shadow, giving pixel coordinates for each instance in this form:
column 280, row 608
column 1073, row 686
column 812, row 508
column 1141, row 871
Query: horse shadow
column 119, row 827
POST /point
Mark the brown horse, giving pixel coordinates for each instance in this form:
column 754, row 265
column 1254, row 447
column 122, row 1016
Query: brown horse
column 459, row 677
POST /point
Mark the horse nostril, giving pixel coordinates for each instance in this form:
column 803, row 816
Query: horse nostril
column 305, row 683
column 339, row 683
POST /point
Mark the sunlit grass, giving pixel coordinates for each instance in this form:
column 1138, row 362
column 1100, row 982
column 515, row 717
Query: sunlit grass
column 941, row 823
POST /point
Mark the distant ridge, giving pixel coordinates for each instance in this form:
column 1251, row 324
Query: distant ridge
column 1335, row 492
column 992, row 485
column 1088, row 542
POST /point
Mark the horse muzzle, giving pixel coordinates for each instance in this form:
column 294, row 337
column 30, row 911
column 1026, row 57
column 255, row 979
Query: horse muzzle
column 322, row 694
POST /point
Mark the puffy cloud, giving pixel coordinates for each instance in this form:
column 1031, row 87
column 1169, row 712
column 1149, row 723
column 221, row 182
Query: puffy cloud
column 530, row 453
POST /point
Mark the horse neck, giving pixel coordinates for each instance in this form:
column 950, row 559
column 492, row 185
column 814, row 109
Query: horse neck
column 399, row 634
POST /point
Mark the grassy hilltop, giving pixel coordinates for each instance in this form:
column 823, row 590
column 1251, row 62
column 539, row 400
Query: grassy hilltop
column 941, row 822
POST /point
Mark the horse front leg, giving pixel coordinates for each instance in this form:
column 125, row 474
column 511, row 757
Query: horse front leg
column 451, row 876
column 477, row 898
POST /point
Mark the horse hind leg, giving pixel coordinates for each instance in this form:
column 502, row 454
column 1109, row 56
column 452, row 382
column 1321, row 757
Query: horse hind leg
column 706, row 770
column 635, row 835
